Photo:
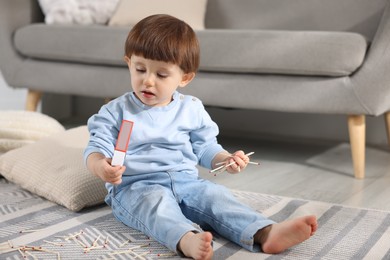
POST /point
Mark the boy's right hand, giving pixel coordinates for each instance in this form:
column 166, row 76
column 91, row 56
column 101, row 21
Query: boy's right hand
column 102, row 168
column 109, row 173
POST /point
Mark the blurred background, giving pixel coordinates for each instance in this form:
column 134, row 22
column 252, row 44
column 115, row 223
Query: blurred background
column 73, row 111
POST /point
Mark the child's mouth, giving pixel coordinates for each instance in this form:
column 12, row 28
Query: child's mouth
column 147, row 94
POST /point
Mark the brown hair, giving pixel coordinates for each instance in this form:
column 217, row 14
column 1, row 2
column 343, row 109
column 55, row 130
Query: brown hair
column 164, row 38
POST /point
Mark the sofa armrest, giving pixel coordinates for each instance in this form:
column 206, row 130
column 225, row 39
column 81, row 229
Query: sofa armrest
column 372, row 82
column 13, row 15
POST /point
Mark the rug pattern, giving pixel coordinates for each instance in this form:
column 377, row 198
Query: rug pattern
column 344, row 232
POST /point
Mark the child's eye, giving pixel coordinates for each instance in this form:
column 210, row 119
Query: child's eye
column 140, row 70
column 163, row 76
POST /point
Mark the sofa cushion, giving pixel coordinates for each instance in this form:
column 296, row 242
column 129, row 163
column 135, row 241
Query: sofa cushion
column 249, row 51
column 282, row 52
column 93, row 44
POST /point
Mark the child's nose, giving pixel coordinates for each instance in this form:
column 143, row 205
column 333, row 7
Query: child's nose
column 149, row 81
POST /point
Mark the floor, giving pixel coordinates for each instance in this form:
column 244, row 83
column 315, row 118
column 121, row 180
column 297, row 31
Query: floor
column 309, row 170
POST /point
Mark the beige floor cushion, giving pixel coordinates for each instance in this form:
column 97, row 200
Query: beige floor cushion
column 53, row 168
column 19, row 128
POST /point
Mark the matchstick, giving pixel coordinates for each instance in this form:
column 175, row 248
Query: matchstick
column 6, row 245
column 139, row 246
column 30, row 230
column 86, row 250
column 106, row 240
column 255, row 163
column 33, row 256
column 25, row 248
column 140, row 256
column 96, row 240
column 125, row 243
column 225, row 166
column 53, row 243
column 94, row 245
column 80, row 243
column 167, row 255
column 125, row 251
column 23, row 254
column 75, row 236
column 71, row 236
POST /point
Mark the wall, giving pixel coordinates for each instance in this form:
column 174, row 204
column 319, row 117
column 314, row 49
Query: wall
column 11, row 99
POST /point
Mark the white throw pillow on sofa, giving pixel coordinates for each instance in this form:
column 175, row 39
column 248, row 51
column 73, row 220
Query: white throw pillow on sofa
column 78, row 11
column 129, row 12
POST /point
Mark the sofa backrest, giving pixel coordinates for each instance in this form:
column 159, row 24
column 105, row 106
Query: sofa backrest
column 361, row 16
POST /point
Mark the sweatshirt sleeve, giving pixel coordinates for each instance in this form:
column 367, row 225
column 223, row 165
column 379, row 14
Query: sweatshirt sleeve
column 103, row 128
column 204, row 139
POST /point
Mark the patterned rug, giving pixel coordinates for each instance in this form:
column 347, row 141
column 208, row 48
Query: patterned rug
column 45, row 230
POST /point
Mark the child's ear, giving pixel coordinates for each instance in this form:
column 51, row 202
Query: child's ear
column 126, row 59
column 186, row 78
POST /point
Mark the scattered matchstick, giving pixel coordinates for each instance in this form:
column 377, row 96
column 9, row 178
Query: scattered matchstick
column 6, row 245
column 33, row 256
column 106, row 241
column 96, row 240
column 23, row 254
column 125, row 243
column 30, row 230
column 74, row 236
column 71, row 236
column 80, row 243
column 86, row 250
column 128, row 250
column 26, row 250
column 167, row 255
column 139, row 246
column 53, row 243
column 140, row 256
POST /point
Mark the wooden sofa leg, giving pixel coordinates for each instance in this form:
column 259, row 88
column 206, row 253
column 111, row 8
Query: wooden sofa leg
column 387, row 122
column 357, row 137
column 33, row 98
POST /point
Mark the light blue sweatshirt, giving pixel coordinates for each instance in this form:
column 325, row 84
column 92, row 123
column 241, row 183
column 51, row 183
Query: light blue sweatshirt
column 175, row 137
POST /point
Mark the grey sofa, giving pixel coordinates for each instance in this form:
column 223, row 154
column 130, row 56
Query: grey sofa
column 311, row 56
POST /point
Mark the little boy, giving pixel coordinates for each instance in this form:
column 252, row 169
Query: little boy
column 158, row 190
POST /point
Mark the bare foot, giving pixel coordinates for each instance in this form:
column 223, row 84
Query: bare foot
column 197, row 245
column 278, row 237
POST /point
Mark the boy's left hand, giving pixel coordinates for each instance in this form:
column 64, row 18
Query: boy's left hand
column 239, row 160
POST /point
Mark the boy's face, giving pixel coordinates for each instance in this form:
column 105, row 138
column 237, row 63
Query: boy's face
column 154, row 82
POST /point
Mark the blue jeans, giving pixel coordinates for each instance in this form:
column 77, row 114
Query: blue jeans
column 167, row 205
